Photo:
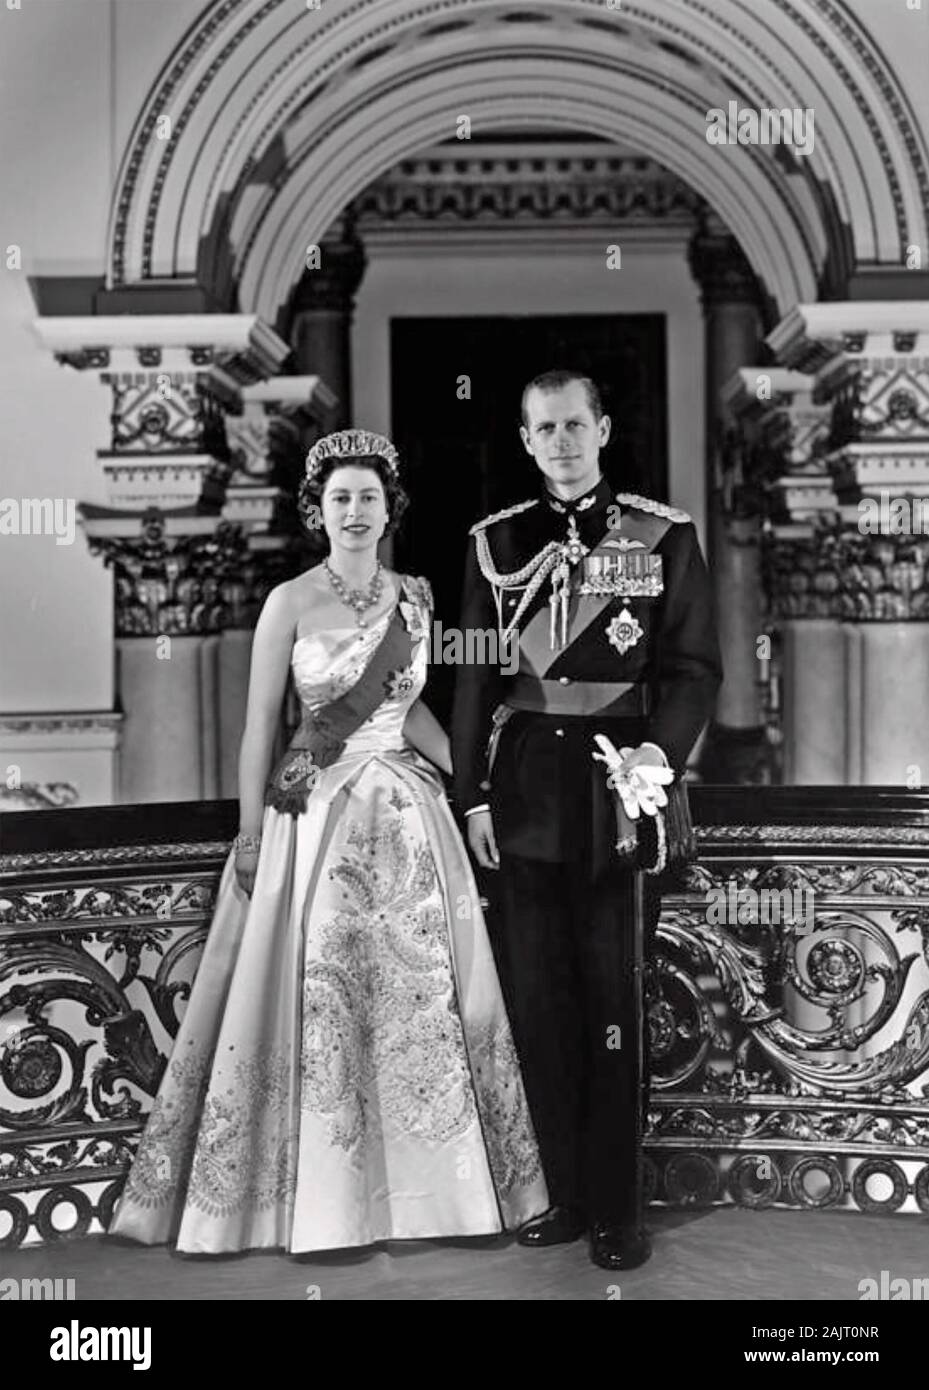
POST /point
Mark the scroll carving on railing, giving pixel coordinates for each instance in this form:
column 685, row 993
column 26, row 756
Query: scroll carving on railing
column 791, row 1056
column 93, row 980
column 788, row 1017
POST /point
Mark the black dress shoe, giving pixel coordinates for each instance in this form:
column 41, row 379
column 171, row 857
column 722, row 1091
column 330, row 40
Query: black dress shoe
column 557, row 1226
column 619, row 1247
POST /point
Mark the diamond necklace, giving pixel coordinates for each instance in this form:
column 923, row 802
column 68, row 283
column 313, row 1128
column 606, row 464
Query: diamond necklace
column 357, row 599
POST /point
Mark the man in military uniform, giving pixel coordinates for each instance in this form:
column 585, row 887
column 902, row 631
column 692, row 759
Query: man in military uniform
column 609, row 599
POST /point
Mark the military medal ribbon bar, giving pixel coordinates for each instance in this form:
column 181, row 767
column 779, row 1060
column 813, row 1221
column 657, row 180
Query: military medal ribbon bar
column 628, row 575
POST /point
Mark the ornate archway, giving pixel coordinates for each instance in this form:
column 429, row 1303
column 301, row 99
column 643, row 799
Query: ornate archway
column 278, row 117
column 271, row 117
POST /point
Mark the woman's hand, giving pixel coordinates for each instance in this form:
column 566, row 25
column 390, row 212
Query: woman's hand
column 246, row 863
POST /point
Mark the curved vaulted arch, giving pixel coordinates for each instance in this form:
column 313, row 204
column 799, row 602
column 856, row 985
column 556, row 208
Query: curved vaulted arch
column 498, row 93
column 281, row 114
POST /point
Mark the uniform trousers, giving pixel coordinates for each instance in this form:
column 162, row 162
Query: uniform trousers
column 564, row 946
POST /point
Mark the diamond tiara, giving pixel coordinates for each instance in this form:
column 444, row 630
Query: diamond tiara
column 345, row 443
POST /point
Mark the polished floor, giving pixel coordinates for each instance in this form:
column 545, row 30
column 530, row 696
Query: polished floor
column 722, row 1254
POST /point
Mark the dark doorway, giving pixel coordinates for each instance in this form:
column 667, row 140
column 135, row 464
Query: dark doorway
column 462, row 458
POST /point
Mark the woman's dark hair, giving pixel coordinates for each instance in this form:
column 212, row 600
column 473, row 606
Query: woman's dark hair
column 310, row 491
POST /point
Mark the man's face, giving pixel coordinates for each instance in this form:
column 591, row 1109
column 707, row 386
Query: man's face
column 562, row 434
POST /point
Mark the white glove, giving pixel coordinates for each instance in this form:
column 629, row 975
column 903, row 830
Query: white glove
column 640, row 788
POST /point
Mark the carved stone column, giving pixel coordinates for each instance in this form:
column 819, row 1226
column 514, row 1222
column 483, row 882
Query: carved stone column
column 180, row 684
column 865, row 564
column 734, row 749
column 322, row 308
column 782, row 432
column 871, row 367
column 181, row 571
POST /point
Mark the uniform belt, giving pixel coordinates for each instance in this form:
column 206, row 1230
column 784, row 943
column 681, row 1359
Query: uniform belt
column 566, row 696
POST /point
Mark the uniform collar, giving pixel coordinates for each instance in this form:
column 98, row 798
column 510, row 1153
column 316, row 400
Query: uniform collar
column 598, row 496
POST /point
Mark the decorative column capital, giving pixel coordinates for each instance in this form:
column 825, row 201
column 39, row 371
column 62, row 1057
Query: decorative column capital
column 172, row 378
column 871, row 365
column 779, row 402
column 240, row 348
column 277, row 411
column 304, row 398
column 812, row 336
column 190, row 576
column 835, row 572
column 268, row 443
column 787, row 432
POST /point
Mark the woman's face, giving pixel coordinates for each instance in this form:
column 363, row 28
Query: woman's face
column 354, row 507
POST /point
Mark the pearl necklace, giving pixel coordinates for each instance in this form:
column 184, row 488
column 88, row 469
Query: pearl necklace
column 357, row 599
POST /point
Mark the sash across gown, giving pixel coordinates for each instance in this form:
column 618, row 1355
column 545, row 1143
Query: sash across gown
column 344, row 1072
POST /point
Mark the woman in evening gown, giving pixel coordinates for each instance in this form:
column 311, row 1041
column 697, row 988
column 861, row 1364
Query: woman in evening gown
column 344, row 1071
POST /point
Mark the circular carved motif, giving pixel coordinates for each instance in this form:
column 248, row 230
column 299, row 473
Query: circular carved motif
column 755, row 1181
column 871, row 1168
column 30, row 1069
column 58, row 1197
column 816, row 1164
column 16, row 1210
column 691, row 1180
column 921, row 1189
column 901, row 405
column 681, row 1026
column 661, row 1027
column 106, row 1202
column 154, row 419
column 834, row 966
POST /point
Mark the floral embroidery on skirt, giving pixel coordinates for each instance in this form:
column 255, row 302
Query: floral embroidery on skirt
column 345, row 1055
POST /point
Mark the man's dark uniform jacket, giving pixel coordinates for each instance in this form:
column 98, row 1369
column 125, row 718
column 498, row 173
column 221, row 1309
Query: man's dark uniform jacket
column 548, row 797
column 640, row 665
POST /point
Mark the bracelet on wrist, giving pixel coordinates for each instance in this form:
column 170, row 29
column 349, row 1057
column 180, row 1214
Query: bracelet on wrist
column 246, row 842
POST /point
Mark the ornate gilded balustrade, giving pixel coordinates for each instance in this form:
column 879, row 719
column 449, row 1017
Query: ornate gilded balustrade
column 102, row 917
column 788, row 1013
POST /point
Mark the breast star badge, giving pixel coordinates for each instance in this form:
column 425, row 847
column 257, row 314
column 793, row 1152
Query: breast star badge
column 624, row 631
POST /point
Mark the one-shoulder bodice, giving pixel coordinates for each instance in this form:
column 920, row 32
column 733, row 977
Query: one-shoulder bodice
column 328, row 662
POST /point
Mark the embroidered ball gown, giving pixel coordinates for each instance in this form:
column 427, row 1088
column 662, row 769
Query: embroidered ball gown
column 344, row 1072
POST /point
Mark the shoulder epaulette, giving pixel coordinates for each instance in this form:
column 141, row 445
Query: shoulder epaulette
column 646, row 504
column 501, row 516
